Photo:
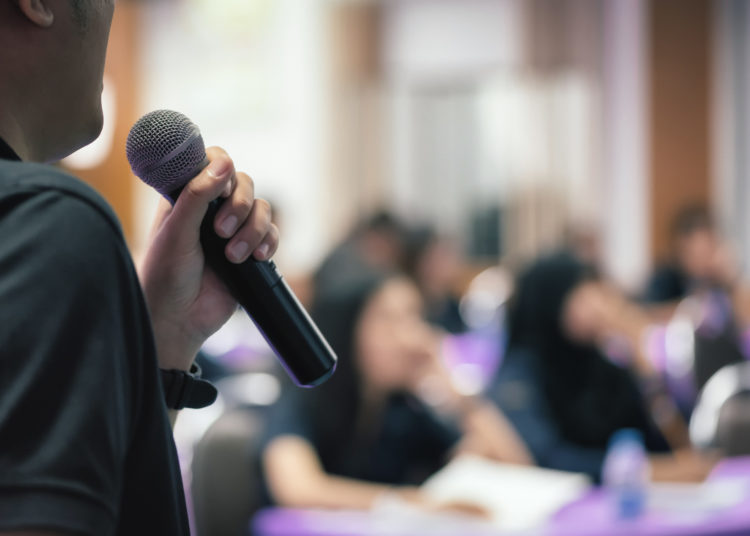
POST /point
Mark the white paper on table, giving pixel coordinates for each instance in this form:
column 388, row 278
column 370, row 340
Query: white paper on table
column 517, row 497
column 698, row 500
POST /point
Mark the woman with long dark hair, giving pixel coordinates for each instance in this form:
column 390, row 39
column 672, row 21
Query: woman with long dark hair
column 557, row 387
column 363, row 433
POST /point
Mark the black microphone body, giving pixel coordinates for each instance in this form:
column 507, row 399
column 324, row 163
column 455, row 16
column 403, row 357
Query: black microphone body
column 256, row 285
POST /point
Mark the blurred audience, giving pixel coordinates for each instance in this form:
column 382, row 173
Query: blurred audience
column 434, row 262
column 700, row 260
column 366, row 433
column 375, row 243
column 584, row 239
column 565, row 397
column 704, row 267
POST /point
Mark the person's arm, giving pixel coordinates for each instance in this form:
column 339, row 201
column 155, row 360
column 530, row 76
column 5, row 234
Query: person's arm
column 186, row 300
column 488, row 433
column 681, row 466
column 626, row 319
column 727, row 274
column 297, row 479
column 484, row 429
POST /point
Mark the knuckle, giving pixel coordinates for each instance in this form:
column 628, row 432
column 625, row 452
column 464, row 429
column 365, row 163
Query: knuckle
column 264, row 205
column 260, row 228
column 193, row 190
column 246, row 181
column 216, row 152
column 243, row 204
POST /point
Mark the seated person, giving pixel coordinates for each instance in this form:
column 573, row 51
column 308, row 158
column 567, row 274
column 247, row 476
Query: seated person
column 562, row 394
column 375, row 243
column 700, row 260
column 703, row 266
column 434, row 262
column 364, row 433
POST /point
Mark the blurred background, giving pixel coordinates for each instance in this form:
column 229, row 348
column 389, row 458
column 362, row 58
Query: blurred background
column 492, row 131
column 502, row 122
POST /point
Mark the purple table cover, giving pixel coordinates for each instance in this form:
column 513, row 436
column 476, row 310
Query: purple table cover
column 590, row 516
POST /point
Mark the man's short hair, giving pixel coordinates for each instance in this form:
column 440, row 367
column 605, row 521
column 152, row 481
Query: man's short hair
column 690, row 219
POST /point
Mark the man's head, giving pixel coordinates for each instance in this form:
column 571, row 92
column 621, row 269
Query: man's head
column 695, row 241
column 51, row 68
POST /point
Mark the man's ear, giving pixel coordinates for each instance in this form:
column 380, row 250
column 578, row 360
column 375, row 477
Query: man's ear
column 37, row 11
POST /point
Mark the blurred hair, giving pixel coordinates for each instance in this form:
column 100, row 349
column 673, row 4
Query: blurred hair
column 690, row 219
column 337, row 311
column 536, row 307
column 417, row 241
column 382, row 221
column 589, row 397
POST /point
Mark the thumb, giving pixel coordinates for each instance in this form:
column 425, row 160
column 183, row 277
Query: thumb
column 191, row 206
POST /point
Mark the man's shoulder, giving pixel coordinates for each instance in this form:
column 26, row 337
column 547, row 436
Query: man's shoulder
column 27, row 180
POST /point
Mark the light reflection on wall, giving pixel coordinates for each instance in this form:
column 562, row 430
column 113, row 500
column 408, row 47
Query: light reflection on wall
column 96, row 153
column 250, row 76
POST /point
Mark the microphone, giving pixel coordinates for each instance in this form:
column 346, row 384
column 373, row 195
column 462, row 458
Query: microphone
column 165, row 150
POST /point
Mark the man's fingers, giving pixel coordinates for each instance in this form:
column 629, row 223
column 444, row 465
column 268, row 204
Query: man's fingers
column 246, row 221
column 268, row 245
column 163, row 210
column 191, row 205
column 237, row 207
column 251, row 233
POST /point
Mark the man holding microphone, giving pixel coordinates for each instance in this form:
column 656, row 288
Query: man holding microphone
column 85, row 438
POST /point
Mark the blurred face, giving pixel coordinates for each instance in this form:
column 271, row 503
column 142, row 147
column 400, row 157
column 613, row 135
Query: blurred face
column 696, row 253
column 393, row 343
column 439, row 267
column 584, row 312
column 381, row 249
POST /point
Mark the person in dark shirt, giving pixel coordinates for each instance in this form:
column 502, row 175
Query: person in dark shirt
column 365, row 433
column 434, row 263
column 700, row 260
column 86, row 445
column 376, row 242
column 556, row 386
column 704, row 268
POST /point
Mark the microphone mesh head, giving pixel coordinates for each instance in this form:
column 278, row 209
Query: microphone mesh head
column 165, row 150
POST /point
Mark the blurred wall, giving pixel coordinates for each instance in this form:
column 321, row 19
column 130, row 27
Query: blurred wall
column 506, row 119
column 680, row 70
column 103, row 163
column 731, row 122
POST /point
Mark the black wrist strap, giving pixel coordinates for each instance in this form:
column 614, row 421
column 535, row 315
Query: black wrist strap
column 187, row 389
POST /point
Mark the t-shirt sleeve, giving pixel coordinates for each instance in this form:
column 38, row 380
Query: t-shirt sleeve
column 289, row 416
column 438, row 436
column 67, row 397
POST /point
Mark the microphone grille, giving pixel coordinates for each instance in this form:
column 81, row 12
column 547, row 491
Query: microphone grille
column 165, row 150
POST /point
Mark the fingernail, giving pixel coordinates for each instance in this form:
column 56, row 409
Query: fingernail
column 227, row 189
column 238, row 250
column 228, row 226
column 218, row 169
column 262, row 251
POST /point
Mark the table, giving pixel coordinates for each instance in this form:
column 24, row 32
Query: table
column 592, row 515
column 589, row 516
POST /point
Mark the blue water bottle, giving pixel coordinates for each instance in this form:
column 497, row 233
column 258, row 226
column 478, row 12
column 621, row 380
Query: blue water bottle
column 625, row 473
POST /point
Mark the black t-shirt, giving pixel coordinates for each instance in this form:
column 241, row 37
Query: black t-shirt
column 85, row 441
column 405, row 446
column 667, row 284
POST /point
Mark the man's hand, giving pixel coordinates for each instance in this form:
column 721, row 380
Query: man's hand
column 187, row 301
